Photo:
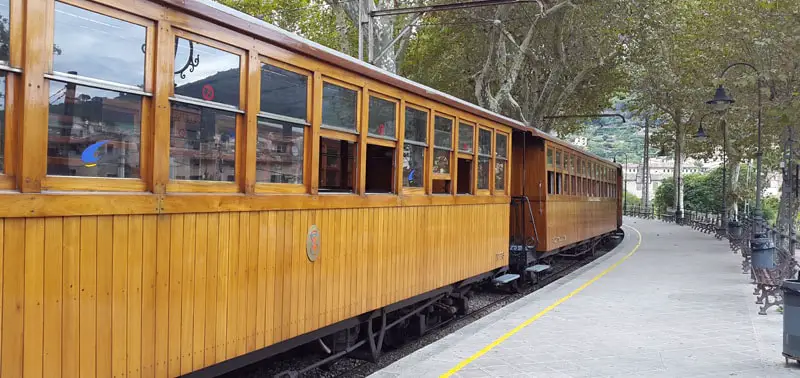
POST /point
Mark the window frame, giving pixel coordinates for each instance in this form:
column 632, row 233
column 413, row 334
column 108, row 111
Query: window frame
column 356, row 136
column 471, row 156
column 146, row 127
column 13, row 69
column 478, row 155
column 402, row 141
column 378, row 140
column 453, row 140
column 335, row 130
column 492, row 178
column 308, row 134
column 190, row 186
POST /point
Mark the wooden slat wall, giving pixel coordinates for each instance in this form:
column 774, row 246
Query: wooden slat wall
column 163, row 295
column 569, row 221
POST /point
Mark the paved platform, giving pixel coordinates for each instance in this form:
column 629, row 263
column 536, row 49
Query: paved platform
column 678, row 306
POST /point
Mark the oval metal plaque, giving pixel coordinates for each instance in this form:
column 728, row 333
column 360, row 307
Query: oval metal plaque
column 313, row 243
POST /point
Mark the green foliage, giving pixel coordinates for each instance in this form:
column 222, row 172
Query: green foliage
column 703, row 192
column 632, row 200
column 769, row 206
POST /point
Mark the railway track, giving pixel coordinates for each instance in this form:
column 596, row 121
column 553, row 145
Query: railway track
column 481, row 304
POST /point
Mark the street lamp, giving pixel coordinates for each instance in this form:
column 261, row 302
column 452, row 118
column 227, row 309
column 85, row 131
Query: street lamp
column 761, row 247
column 701, row 136
column 624, row 183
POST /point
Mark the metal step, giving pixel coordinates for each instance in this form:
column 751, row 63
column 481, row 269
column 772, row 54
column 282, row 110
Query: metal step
column 538, row 268
column 506, row 278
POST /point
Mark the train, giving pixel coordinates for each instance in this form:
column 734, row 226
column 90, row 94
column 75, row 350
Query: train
column 187, row 189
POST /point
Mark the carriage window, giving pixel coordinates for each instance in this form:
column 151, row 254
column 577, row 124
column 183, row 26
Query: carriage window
column 94, row 131
column 550, row 182
column 5, row 38
column 501, row 161
column 284, row 92
column 558, row 160
column 281, row 126
column 549, row 156
column 416, row 136
column 380, row 173
column 466, row 138
column 443, row 144
column 96, row 46
column 206, row 73
column 336, row 168
column 382, row 116
column 339, row 107
column 202, row 143
column 203, row 137
column 484, row 157
column 279, row 151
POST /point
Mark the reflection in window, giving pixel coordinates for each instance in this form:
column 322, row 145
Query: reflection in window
column 336, row 159
column 549, row 156
column 93, row 132
column 2, row 119
column 483, row 172
column 416, row 125
column 558, row 159
column 279, row 152
column 381, row 117
column 484, row 142
column 501, row 160
column 443, row 133
column 206, row 73
column 202, row 143
column 442, row 141
column 413, row 165
column 5, row 36
column 97, row 46
column 466, row 138
column 484, row 157
column 339, row 107
column 283, row 92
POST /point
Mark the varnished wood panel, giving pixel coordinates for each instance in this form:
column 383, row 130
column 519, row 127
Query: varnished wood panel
column 132, row 295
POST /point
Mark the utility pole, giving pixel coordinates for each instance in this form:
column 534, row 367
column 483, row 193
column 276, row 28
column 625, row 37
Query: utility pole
column 646, row 162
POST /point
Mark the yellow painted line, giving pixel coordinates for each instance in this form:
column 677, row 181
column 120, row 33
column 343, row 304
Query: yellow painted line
column 536, row 317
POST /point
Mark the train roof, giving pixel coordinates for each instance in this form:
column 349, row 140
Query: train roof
column 255, row 27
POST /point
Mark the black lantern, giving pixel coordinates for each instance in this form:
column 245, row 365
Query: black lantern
column 721, row 100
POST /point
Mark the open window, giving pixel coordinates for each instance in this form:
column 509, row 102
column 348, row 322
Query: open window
column 414, row 146
column 466, row 158
column 559, row 168
column 338, row 138
column 442, row 154
column 381, row 145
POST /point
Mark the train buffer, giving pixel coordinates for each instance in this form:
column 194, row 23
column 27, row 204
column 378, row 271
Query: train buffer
column 669, row 303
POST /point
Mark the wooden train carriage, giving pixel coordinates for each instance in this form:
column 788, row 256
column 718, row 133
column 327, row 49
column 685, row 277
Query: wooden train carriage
column 573, row 194
column 184, row 184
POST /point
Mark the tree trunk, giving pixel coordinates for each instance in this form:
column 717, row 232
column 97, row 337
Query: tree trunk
column 676, row 172
column 789, row 203
column 734, row 169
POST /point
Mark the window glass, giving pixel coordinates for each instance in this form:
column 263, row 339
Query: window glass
column 206, row 73
column 202, row 143
column 500, row 174
column 441, row 161
column 558, row 159
column 5, row 37
column 382, row 117
column 466, row 138
column 443, row 132
column 549, row 156
column 93, row 132
column 96, row 46
column 339, row 107
column 501, row 146
column 336, row 165
column 2, row 118
column 279, row 152
column 416, row 125
column 484, row 142
column 483, row 172
column 283, row 92
column 413, row 166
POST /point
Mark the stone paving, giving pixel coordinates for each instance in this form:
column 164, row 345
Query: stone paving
column 679, row 307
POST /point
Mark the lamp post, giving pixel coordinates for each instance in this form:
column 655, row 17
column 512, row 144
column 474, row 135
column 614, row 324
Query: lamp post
column 701, row 136
column 624, row 183
column 761, row 247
